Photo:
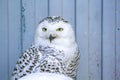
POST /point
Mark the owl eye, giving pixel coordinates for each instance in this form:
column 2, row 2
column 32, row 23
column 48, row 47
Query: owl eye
column 44, row 29
column 59, row 29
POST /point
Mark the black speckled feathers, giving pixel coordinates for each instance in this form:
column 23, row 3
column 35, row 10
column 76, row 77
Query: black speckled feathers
column 52, row 19
column 39, row 59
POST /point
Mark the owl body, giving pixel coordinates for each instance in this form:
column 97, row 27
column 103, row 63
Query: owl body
column 54, row 50
column 45, row 76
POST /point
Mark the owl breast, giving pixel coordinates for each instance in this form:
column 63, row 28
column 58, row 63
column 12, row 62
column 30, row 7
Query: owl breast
column 51, row 64
column 50, row 61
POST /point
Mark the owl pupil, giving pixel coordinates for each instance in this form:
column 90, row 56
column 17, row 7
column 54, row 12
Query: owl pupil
column 44, row 29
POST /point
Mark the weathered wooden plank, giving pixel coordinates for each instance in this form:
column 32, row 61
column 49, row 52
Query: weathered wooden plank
column 82, row 37
column 14, row 11
column 28, row 22
column 94, row 43
column 55, row 7
column 68, row 11
column 108, row 39
column 41, row 9
column 4, row 50
column 117, row 39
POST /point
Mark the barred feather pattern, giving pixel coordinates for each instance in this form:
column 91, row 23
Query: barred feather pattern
column 44, row 59
column 71, row 70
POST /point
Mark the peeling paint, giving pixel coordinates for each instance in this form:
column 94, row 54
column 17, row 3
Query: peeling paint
column 23, row 19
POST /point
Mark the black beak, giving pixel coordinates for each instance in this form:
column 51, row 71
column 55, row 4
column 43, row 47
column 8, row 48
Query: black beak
column 51, row 37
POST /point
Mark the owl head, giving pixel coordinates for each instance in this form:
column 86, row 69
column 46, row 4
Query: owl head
column 54, row 31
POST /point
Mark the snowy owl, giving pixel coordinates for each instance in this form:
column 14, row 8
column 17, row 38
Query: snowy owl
column 54, row 50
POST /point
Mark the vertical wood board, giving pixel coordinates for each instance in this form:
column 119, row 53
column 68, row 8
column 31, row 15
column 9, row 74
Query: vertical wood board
column 94, row 43
column 41, row 10
column 68, row 11
column 117, row 40
column 14, row 45
column 28, row 25
column 55, row 7
column 4, row 49
column 108, row 40
column 82, row 37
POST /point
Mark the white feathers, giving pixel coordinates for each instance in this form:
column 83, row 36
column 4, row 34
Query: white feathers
column 45, row 76
column 64, row 38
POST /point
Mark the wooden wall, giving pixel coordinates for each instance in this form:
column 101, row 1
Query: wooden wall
column 96, row 23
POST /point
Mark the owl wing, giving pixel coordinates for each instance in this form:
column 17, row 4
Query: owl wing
column 73, row 66
column 25, row 64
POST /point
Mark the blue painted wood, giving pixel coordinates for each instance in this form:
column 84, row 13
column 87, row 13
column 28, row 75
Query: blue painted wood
column 14, row 21
column 28, row 28
column 82, row 37
column 108, row 40
column 4, row 38
column 41, row 10
column 94, row 43
column 33, row 12
column 117, row 40
column 55, row 7
column 68, row 11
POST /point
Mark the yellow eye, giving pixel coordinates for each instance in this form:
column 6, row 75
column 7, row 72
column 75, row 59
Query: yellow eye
column 44, row 29
column 59, row 29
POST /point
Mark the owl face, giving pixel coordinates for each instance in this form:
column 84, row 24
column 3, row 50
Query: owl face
column 54, row 31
